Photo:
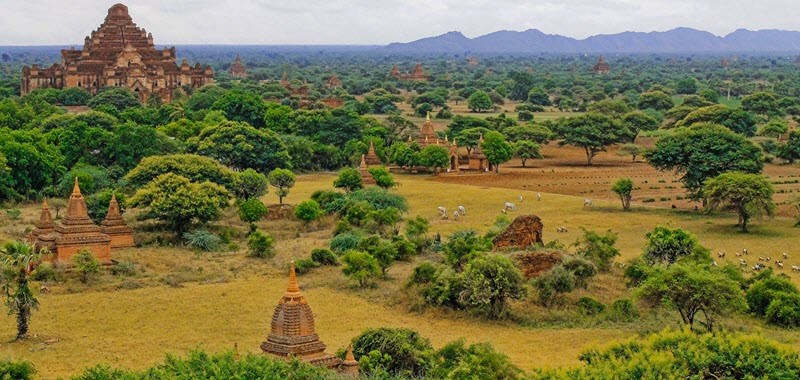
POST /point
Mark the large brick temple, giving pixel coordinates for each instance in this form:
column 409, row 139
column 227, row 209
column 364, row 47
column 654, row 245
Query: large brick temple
column 118, row 54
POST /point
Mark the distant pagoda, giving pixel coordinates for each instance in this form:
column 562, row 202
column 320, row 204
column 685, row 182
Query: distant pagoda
column 114, row 226
column 237, row 69
column 363, row 169
column 602, row 67
column 333, row 82
column 372, row 158
column 118, row 54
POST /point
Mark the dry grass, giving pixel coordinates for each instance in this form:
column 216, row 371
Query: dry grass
column 228, row 298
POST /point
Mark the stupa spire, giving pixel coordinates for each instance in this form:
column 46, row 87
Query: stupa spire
column 76, row 189
column 293, row 289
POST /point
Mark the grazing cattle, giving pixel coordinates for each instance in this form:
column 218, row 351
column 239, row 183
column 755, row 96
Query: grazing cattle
column 738, row 254
column 442, row 211
column 510, row 206
column 795, row 268
column 785, row 256
column 561, row 229
column 760, row 258
column 720, row 254
column 714, row 263
column 742, row 262
column 503, row 211
column 520, row 199
column 538, row 196
column 744, row 252
column 455, row 215
column 779, row 264
column 587, row 202
column 462, row 210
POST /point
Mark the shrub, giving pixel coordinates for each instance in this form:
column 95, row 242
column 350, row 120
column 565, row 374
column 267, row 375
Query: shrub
column 304, row 266
column 44, row 272
column 423, row 273
column 597, row 248
column 361, row 266
column 552, row 283
column 668, row 245
column 582, row 269
column 86, row 266
column 409, row 354
column 379, row 198
column 489, row 282
column 328, row 200
column 308, row 211
column 252, row 210
column 590, row 306
column 623, row 310
column 203, row 240
column 261, row 245
column 14, row 214
column 784, row 310
column 349, row 179
column 16, row 370
column 417, row 226
column 123, row 268
column 762, row 293
column 344, row 242
column 382, row 177
column 476, row 361
column 463, row 246
column 323, row 256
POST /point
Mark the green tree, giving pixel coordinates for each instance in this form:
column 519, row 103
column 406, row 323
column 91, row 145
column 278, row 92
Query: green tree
column 551, row 284
column 597, row 248
column 118, row 98
column 476, row 361
column 241, row 146
column 18, row 259
column 657, row 100
column 686, row 86
column 195, row 168
column 632, row 150
column 704, row 151
column 86, row 266
column 592, row 132
column 528, row 132
column 383, row 178
column 250, row 184
column 693, row 290
column 261, row 245
column 527, row 150
column 735, row 119
column 775, row 128
column 408, row 353
column 638, row 121
column 349, row 179
column 241, row 106
column 252, row 210
column 790, row 150
column 489, row 282
column 74, row 96
column 308, row 211
column 179, row 203
column 537, row 95
column 479, row 101
column 623, row 188
column 33, row 163
column 761, row 294
column 283, row 181
column 462, row 247
column 667, row 245
column 496, row 149
column 361, row 266
column 434, row 157
column 762, row 103
column 746, row 194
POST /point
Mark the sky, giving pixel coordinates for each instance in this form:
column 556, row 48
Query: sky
column 268, row 22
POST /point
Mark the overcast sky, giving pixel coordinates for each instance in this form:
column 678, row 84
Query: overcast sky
column 60, row 22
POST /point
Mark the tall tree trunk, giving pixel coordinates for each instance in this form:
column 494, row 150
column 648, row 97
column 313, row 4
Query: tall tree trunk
column 24, row 312
column 589, row 156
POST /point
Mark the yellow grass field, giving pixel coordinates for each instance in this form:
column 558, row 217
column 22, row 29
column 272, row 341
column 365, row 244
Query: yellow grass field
column 233, row 299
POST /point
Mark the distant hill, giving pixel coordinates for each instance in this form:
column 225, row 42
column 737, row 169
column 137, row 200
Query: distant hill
column 678, row 40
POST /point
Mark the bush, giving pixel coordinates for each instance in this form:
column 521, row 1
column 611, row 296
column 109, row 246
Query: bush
column 623, row 310
column 476, row 361
column 582, row 269
column 590, row 306
column 304, row 266
column 123, row 268
column 409, row 354
column 261, row 245
column 552, row 283
column 44, row 272
column 308, row 211
column 344, row 242
column 361, row 266
column 252, row 210
column 489, row 282
column 86, row 266
column 463, row 246
column 597, row 248
column 784, row 310
column 203, row 240
column 382, row 177
column 323, row 256
column 328, row 200
column 424, row 273
column 764, row 291
column 16, row 370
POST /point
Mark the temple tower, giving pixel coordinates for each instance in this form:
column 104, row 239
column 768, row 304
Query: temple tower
column 114, row 226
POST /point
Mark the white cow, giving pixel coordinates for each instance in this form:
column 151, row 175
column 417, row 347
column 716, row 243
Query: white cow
column 538, row 196
column 442, row 211
column 462, row 210
column 587, row 202
column 520, row 199
column 510, row 206
column 455, row 215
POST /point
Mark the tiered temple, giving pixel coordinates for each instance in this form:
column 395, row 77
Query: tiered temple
column 237, row 69
column 76, row 231
column 292, row 334
column 477, row 159
column 114, row 226
column 118, row 54
column 363, row 169
column 417, row 74
column 602, row 67
column 372, row 158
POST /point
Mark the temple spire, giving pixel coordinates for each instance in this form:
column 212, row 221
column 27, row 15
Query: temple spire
column 76, row 189
column 293, row 289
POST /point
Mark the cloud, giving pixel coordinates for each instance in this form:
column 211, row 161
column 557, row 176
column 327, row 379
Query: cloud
column 57, row 22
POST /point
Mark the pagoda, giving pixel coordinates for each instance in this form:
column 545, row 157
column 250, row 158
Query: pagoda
column 114, row 226
column 477, row 159
column 601, row 67
column 417, row 74
column 292, row 334
column 118, row 54
column 427, row 136
column 372, row 158
column 363, row 169
column 333, row 82
column 75, row 232
column 237, row 69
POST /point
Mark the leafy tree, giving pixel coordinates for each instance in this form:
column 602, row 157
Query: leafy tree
column 434, row 157
column 790, row 150
column 735, row 119
column 598, row 248
column 479, row 101
column 195, row 168
column 252, row 210
column 349, row 179
column 746, row 194
column 552, row 283
column 537, row 95
column 241, row 146
column 667, row 245
column 497, row 150
column 456, row 360
column 704, row 151
column 623, row 188
column 118, row 98
column 593, row 132
column 657, row 100
column 462, row 247
column 86, row 266
column 489, row 282
column 74, row 96
column 382, row 177
column 250, row 184
column 178, row 202
column 610, row 107
column 361, row 266
column 528, row 132
column 409, row 354
column 526, row 150
column 638, row 121
column 18, row 258
column 686, row 86
column 762, row 103
column 241, row 106
column 761, row 294
column 632, row 150
column 333, row 127
column 261, row 245
column 283, row 181
column 692, row 290
column 784, row 310
column 33, row 163
column 775, row 128
column 308, row 211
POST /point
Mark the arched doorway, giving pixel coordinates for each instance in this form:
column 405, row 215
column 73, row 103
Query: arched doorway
column 453, row 162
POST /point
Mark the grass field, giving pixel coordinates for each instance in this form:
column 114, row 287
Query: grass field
column 182, row 300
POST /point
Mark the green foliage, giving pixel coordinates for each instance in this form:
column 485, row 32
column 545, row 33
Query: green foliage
column 193, row 167
column 417, row 226
column 582, row 269
column 74, row 96
column 434, row 157
column 361, row 266
column 623, row 310
column 551, row 284
column 308, row 211
column 479, row 101
column 261, row 245
column 179, row 203
column 784, row 310
column 704, row 151
column 667, row 245
column 382, row 177
column 638, row 121
column 762, row 103
column 686, row 85
column 345, row 242
column 592, row 132
column 735, row 119
column 328, row 200
column 86, row 266
column 746, row 194
column 536, row 133
column 283, row 181
column 761, row 294
column 17, row 257
column 241, row 106
column 118, row 98
column 16, row 370
column 527, row 150
column 241, row 146
column 203, row 240
column 790, row 150
column 250, row 184
column 45, row 272
column 489, row 282
column 632, row 150
column 252, row 210
column 463, row 246
column 597, row 248
column 623, row 188
column 332, row 127
column 656, row 100
column 497, row 150
column 31, row 163
column 97, row 203
column 323, row 256
column 456, row 360
column 304, row 266
column 408, row 353
column 590, row 306
column 349, row 179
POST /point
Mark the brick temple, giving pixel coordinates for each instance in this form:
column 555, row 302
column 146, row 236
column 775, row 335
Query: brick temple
column 237, row 69
column 118, row 54
column 601, row 67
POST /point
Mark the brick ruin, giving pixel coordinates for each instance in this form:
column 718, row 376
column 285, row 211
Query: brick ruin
column 237, row 69
column 601, row 67
column 417, row 74
column 292, row 333
column 118, row 54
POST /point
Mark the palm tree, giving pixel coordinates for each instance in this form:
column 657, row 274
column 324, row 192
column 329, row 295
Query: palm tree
column 17, row 259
